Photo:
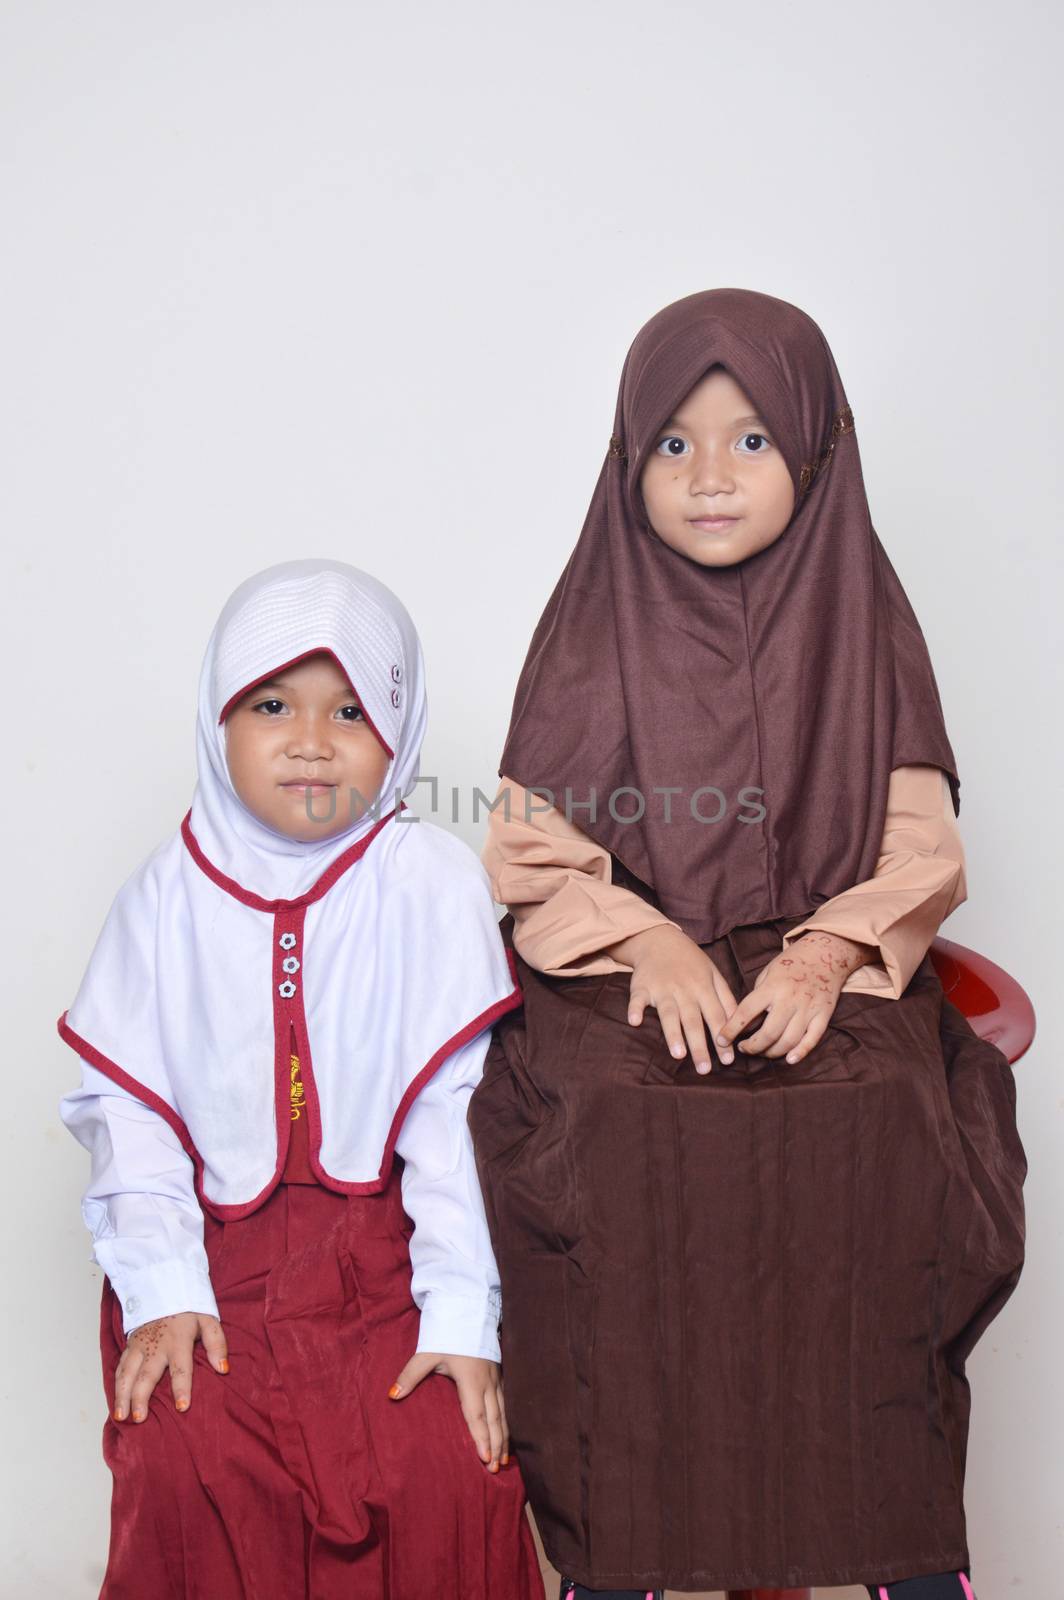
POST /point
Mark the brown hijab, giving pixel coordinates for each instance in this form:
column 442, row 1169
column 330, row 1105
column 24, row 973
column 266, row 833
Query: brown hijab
column 793, row 681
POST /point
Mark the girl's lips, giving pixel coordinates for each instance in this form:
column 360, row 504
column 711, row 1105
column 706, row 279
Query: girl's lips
column 716, row 524
column 315, row 788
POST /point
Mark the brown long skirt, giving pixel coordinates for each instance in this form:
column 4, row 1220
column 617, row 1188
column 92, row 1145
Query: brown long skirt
column 737, row 1308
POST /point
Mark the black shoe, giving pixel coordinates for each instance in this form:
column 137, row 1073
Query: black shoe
column 933, row 1586
column 576, row 1591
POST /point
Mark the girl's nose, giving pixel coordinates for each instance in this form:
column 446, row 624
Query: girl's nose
column 712, row 474
column 310, row 741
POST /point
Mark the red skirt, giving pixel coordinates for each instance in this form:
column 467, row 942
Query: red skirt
column 294, row 1477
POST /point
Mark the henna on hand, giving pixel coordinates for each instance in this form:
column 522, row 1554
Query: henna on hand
column 165, row 1344
column 797, row 992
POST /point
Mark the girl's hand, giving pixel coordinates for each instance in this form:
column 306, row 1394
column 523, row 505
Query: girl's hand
column 671, row 973
column 798, row 991
column 156, row 1347
column 479, row 1393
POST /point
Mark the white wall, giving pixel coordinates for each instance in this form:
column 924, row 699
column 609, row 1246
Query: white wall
column 357, row 280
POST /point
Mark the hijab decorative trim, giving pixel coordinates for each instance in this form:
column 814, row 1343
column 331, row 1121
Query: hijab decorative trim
column 843, row 424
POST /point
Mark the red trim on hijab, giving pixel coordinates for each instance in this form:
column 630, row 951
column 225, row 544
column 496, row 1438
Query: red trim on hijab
column 231, row 1213
column 156, row 1103
column 486, row 1019
column 319, row 650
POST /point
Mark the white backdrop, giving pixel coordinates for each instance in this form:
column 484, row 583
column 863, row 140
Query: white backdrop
column 357, row 280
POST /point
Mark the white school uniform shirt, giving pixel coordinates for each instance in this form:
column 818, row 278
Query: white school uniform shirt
column 379, row 948
column 147, row 1226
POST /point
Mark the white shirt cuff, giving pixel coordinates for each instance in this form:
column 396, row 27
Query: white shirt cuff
column 162, row 1289
column 461, row 1325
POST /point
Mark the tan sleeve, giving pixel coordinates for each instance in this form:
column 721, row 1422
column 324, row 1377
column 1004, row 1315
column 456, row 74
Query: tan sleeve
column 556, row 881
column 919, row 879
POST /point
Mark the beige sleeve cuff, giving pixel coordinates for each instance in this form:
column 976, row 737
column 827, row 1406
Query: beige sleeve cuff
column 919, row 879
column 556, row 882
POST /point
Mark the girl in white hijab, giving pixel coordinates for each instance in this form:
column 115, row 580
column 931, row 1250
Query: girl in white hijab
column 296, row 987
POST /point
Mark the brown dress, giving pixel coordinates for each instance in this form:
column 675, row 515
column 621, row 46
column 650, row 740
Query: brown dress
column 737, row 1308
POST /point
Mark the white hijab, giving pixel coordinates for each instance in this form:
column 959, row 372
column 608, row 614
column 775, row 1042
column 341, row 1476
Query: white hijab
column 379, row 947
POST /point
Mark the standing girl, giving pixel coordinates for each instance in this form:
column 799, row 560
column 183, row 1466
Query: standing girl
column 294, row 989
column 764, row 1271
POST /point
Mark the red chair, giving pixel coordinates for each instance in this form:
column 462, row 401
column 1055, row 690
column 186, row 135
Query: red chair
column 995, row 1005
column 998, row 1010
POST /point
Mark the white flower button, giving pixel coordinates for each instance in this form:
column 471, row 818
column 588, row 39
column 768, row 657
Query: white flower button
column 289, row 964
column 287, row 941
column 287, row 989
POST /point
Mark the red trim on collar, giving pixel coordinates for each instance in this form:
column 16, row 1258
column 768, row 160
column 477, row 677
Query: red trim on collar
column 315, row 892
column 318, row 650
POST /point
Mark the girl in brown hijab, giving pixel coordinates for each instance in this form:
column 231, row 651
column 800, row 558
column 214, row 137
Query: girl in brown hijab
column 741, row 1285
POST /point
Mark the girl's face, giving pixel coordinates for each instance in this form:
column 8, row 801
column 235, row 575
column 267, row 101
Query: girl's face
column 716, row 486
column 300, row 743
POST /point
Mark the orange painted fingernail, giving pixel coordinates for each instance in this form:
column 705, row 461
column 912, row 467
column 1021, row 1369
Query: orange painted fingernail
column 118, row 1413
column 394, row 1392
column 494, row 1467
column 506, row 1461
column 138, row 1416
column 223, row 1365
column 182, row 1404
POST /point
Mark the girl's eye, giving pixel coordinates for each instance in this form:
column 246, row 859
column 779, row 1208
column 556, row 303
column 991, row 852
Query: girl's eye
column 672, row 446
column 357, row 710
column 665, row 446
column 262, row 705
